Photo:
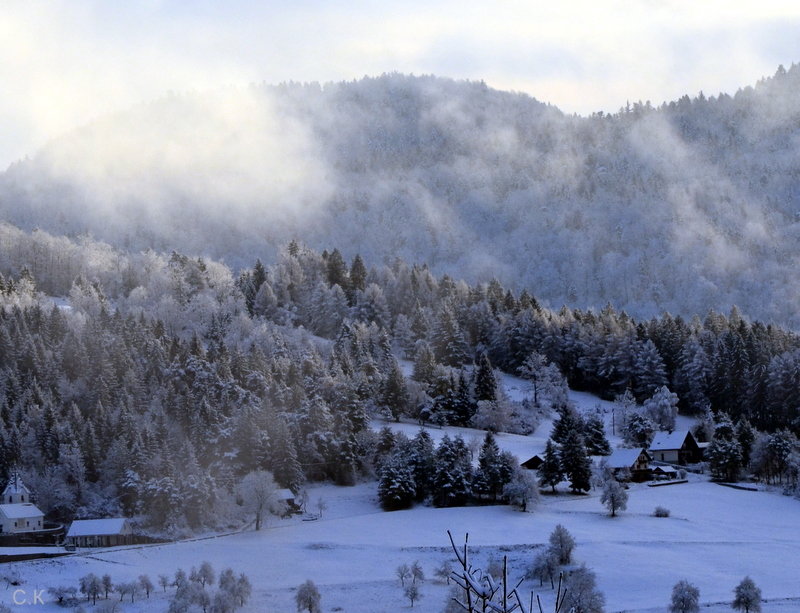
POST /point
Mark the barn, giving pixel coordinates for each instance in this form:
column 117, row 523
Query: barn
column 100, row 532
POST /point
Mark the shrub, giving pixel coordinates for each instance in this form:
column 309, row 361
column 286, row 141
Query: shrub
column 661, row 512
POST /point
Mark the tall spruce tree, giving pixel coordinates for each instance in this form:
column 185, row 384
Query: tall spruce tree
column 575, row 462
column 550, row 473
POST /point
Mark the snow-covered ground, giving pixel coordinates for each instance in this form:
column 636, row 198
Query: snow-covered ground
column 714, row 537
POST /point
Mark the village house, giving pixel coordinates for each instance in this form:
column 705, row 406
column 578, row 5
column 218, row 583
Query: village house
column 678, row 447
column 100, row 532
column 636, row 462
column 532, row 463
column 18, row 514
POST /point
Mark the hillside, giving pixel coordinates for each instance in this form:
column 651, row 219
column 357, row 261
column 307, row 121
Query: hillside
column 684, row 207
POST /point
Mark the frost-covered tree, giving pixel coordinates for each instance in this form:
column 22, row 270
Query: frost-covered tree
column 638, row 430
column 412, row 593
column 662, row 408
column 614, row 496
column 308, row 598
column 685, row 598
column 594, row 435
column 562, row 543
column 259, row 492
column 580, row 592
column 522, row 491
column 545, row 566
column 747, row 597
column 452, row 480
column 396, row 486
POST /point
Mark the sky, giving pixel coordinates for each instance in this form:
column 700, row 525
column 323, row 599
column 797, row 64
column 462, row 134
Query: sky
column 67, row 62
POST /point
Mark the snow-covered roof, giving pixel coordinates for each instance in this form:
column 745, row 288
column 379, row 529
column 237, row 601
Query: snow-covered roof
column 663, row 441
column 623, row 458
column 15, row 486
column 665, row 469
column 285, row 494
column 20, row 510
column 94, row 527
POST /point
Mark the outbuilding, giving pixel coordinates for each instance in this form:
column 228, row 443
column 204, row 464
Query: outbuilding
column 100, row 532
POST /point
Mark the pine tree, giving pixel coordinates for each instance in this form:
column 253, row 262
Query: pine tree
column 337, row 271
column 485, row 381
column 487, row 481
column 746, row 437
column 452, row 481
column 421, row 461
column 358, row 274
column 568, row 421
column 575, row 463
column 396, row 487
column 448, row 341
column 649, row 371
column 594, row 435
column 550, row 473
column 395, row 395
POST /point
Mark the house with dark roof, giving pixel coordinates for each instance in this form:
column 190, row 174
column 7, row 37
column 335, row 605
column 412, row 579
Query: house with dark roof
column 533, row 463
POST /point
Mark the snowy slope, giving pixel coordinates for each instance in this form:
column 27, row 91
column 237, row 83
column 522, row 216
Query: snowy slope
column 714, row 537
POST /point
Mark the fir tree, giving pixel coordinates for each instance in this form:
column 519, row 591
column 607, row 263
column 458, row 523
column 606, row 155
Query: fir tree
column 485, row 381
column 396, row 487
column 550, row 472
column 594, row 435
column 575, row 463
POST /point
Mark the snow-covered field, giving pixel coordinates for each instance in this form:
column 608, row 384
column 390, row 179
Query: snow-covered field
column 714, row 537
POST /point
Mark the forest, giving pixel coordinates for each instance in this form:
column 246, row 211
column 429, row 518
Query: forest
column 162, row 379
column 680, row 206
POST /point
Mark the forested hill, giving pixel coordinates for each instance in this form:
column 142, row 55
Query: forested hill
column 167, row 379
column 691, row 205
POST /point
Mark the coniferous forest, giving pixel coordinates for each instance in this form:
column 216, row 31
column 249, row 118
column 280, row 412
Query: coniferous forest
column 164, row 379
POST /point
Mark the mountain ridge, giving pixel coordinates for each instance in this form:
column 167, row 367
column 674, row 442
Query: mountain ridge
column 685, row 207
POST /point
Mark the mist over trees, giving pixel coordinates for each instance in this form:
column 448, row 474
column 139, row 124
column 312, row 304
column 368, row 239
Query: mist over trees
column 684, row 207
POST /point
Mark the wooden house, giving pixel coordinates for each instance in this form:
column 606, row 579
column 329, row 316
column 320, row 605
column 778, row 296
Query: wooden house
column 100, row 532
column 634, row 461
column 678, row 447
column 533, row 463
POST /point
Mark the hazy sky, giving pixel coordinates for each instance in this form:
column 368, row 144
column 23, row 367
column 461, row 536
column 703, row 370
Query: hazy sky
column 65, row 62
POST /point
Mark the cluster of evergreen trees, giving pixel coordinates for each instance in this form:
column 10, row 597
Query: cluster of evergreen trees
column 155, row 393
column 413, row 470
column 745, row 369
column 567, row 452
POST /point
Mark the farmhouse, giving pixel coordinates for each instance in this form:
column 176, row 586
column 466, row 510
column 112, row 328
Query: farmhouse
column 17, row 513
column 533, row 463
column 678, row 447
column 637, row 461
column 100, row 532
